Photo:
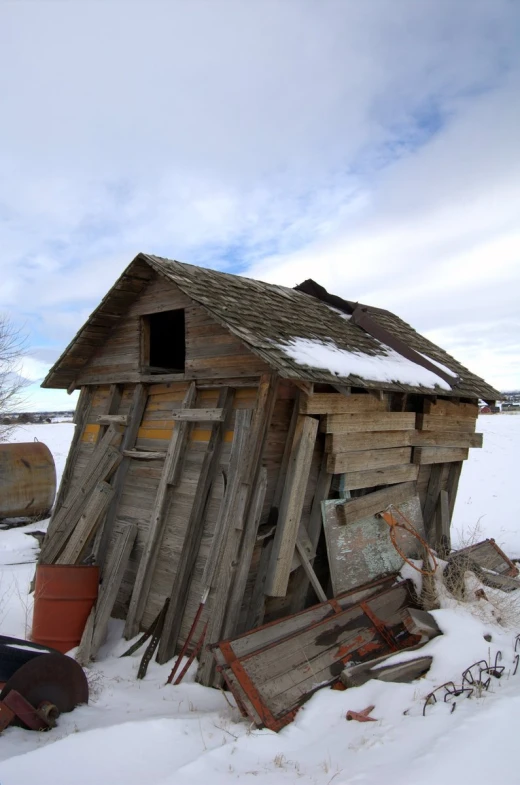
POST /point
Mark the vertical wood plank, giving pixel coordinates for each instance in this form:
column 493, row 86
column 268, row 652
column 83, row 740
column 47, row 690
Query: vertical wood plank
column 135, row 416
column 80, row 418
column 244, row 558
column 145, row 571
column 291, row 507
column 193, row 537
column 222, row 557
column 125, row 536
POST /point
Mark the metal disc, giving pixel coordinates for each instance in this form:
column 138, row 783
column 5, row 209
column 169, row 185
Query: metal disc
column 52, row 677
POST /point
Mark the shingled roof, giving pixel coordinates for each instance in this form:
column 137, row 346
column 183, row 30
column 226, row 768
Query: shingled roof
column 273, row 321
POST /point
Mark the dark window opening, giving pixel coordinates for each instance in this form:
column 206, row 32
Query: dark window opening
column 164, row 342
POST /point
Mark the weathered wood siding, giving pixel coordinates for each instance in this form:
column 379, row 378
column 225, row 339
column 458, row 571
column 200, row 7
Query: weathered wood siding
column 212, row 352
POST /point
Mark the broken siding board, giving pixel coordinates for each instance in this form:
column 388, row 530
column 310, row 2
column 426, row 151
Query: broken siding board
column 445, row 439
column 363, row 550
column 439, row 454
column 388, row 475
column 334, row 403
column 291, row 507
column 430, row 422
column 374, row 421
column 353, row 510
column 363, row 460
column 371, row 440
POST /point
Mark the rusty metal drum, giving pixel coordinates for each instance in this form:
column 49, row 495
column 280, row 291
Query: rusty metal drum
column 64, row 595
column 27, row 480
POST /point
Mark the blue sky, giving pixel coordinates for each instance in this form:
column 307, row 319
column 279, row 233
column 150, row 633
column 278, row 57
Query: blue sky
column 372, row 146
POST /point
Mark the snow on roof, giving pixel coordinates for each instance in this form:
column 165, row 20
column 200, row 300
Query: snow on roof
column 388, row 367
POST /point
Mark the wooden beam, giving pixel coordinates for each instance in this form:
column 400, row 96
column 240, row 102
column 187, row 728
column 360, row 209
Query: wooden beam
column 69, row 516
column 433, row 422
column 309, row 572
column 364, row 506
column 222, row 558
column 198, row 415
column 193, row 537
column 445, row 439
column 388, row 475
column 422, row 455
column 452, row 484
column 443, row 532
column 291, row 507
column 108, row 419
column 369, row 440
column 145, row 455
column 135, row 416
column 87, row 524
column 95, row 630
column 451, row 409
column 334, row 403
column 244, row 559
column 363, row 460
column 81, row 416
column 373, row 421
column 173, row 459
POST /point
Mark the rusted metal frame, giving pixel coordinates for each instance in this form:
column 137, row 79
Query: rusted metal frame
column 380, row 626
column 333, row 603
column 248, row 687
column 28, row 714
column 361, row 318
column 188, row 637
column 194, row 653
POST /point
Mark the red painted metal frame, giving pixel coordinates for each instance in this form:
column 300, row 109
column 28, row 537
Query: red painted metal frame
column 264, row 716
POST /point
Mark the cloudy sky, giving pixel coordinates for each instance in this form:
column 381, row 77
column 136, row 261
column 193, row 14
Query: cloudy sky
column 373, row 146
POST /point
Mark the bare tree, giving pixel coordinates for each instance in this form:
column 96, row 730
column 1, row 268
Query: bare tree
column 12, row 345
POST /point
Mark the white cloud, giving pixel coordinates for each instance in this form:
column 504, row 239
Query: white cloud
column 372, row 146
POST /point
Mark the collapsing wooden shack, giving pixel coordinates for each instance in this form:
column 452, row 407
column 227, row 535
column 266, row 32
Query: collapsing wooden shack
column 216, row 414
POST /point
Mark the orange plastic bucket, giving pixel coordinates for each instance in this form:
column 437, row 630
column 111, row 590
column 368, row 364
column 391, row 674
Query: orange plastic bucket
column 63, row 598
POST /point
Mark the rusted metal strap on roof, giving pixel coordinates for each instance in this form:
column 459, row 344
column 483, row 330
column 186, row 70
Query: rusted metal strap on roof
column 361, row 318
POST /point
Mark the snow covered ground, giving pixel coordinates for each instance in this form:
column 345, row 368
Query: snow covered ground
column 145, row 732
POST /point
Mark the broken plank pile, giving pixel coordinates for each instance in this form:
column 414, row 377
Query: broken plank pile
column 487, row 561
column 274, row 669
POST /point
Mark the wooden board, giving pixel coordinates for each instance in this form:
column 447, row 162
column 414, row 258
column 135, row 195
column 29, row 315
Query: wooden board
column 353, row 510
column 273, row 682
column 445, row 439
column 291, row 507
column 374, row 421
column 363, row 460
column 451, row 409
column 260, row 637
column 371, row 440
column 363, row 550
column 489, row 556
column 439, row 454
column 388, row 475
column 333, row 403
column 434, row 422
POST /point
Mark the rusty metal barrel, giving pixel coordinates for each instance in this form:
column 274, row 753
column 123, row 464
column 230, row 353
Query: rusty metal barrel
column 64, row 595
column 27, row 480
